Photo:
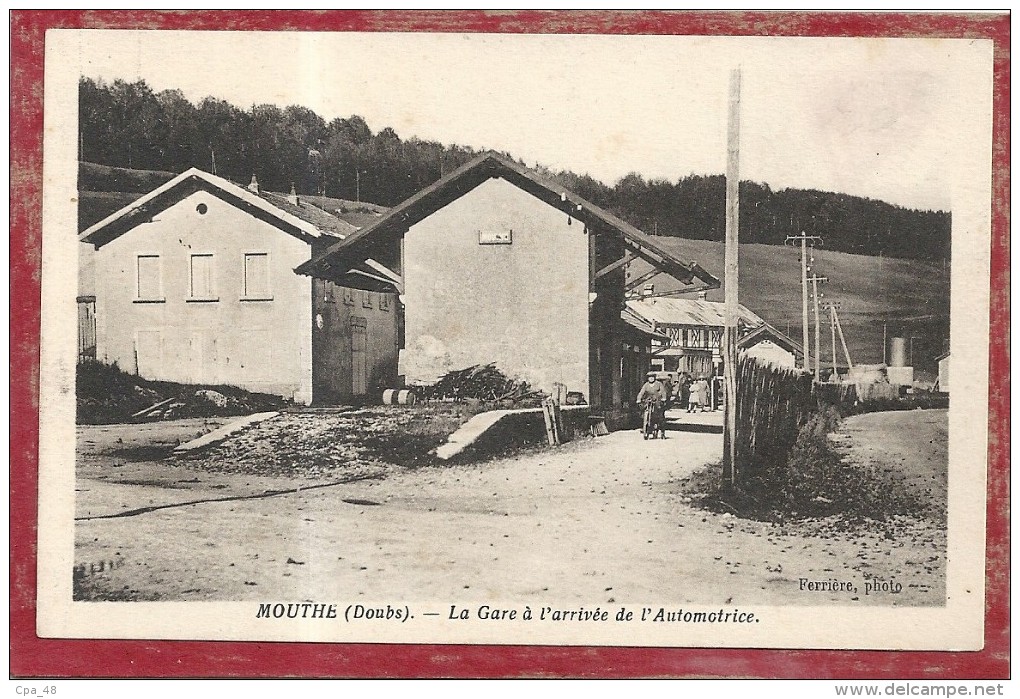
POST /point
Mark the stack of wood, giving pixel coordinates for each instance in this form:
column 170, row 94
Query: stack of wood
column 480, row 382
column 553, row 422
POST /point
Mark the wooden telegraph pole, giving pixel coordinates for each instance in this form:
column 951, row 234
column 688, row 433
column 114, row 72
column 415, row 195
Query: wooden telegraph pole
column 732, row 280
column 832, row 328
column 831, row 306
column 804, row 240
column 814, row 279
column 842, row 338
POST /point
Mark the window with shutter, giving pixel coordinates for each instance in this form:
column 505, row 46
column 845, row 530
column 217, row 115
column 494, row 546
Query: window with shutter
column 202, row 281
column 256, row 277
column 148, row 276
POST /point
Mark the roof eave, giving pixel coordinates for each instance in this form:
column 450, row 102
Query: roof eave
column 93, row 234
column 397, row 220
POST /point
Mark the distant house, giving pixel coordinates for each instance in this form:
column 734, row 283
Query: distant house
column 695, row 330
column 194, row 282
column 769, row 345
column 495, row 263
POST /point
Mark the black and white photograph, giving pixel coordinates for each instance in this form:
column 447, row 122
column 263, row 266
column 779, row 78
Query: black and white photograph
column 478, row 338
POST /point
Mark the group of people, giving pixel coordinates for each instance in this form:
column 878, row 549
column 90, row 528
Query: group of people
column 694, row 393
column 690, row 392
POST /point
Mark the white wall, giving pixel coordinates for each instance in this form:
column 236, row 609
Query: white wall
column 523, row 305
column 769, row 352
column 258, row 345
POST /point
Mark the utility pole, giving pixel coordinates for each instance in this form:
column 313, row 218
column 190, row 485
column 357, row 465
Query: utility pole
column 842, row 340
column 831, row 305
column 804, row 302
column 731, row 281
column 814, row 279
column 804, row 239
column 832, row 328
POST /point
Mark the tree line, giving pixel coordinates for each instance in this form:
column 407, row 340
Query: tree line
column 127, row 124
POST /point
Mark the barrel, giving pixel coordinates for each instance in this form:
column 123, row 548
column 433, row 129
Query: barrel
column 392, row 396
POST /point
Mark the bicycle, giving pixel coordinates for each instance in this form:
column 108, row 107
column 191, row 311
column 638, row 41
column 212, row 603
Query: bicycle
column 651, row 423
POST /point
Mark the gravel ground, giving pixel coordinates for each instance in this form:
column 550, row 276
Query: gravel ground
column 595, row 521
column 335, row 443
column 909, row 446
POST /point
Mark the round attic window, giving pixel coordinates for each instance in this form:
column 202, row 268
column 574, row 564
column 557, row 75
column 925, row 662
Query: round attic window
column 201, row 208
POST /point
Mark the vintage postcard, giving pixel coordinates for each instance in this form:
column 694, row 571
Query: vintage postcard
column 428, row 337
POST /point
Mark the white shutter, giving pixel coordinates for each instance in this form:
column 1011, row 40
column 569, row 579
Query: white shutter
column 202, row 282
column 256, row 275
column 148, row 275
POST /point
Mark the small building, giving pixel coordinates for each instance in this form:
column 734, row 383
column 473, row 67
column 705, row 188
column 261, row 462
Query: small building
column 769, row 345
column 695, row 329
column 496, row 263
column 194, row 282
column 943, row 363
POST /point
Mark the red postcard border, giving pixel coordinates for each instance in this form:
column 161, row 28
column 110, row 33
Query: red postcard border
column 31, row 656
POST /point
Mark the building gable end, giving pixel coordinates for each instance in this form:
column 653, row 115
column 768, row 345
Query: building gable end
column 149, row 205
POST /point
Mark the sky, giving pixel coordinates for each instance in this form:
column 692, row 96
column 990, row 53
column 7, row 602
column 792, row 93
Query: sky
column 868, row 117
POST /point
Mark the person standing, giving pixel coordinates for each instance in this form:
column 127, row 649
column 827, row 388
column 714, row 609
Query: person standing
column 667, row 384
column 694, row 400
column 702, row 385
column 683, row 392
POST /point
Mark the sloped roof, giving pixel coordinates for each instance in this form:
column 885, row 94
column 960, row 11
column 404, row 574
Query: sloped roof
column 325, row 222
column 769, row 332
column 638, row 323
column 670, row 311
column 357, row 213
column 486, row 166
column 302, row 219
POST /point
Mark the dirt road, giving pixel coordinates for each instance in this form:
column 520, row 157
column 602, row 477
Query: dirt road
column 911, row 446
column 595, row 521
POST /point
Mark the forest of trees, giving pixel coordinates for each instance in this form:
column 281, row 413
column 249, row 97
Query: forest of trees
column 127, row 124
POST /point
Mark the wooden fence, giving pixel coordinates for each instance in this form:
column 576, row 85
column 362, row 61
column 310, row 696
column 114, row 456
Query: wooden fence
column 772, row 405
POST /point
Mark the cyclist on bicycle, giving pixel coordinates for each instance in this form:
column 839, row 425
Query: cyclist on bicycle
column 655, row 393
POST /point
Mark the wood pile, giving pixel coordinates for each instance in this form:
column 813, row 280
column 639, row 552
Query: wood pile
column 479, row 382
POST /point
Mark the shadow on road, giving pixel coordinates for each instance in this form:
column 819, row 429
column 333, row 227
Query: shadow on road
column 694, row 427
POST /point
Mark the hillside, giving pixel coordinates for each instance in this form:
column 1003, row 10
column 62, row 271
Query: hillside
column 128, row 125
column 911, row 296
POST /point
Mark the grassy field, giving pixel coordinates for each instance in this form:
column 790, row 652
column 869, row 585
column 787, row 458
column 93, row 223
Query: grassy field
column 911, row 296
